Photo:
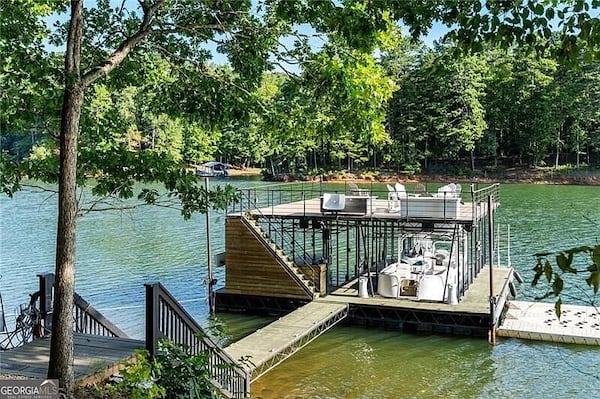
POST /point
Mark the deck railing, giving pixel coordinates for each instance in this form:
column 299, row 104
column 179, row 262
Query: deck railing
column 280, row 258
column 284, row 238
column 87, row 320
column 166, row 318
column 481, row 195
column 443, row 206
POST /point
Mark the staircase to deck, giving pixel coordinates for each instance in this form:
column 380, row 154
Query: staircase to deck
column 282, row 257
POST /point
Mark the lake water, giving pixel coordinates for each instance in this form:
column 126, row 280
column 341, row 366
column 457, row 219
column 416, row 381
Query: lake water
column 118, row 252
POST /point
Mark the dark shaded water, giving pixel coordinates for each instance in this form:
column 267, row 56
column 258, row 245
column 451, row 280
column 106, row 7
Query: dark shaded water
column 118, row 252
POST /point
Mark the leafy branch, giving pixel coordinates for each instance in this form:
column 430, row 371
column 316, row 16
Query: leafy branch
column 567, row 262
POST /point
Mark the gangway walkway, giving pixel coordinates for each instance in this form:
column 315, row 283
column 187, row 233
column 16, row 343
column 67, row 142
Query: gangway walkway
column 271, row 345
column 537, row 321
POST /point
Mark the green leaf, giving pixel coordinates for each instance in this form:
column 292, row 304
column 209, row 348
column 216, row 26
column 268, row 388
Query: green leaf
column 548, row 271
column 594, row 281
column 539, row 270
column 596, row 256
column 564, row 262
column 557, row 285
column 557, row 308
column 538, row 9
column 581, row 249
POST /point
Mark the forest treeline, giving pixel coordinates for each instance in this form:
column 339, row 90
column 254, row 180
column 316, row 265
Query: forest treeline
column 408, row 108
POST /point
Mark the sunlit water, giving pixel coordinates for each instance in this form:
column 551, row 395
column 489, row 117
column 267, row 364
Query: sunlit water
column 118, row 252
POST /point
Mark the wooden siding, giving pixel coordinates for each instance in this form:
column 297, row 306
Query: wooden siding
column 251, row 268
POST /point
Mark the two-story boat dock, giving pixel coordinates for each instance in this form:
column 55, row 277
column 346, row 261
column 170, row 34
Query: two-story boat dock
column 414, row 260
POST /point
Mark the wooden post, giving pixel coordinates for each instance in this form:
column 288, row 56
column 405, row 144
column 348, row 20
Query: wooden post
column 46, row 285
column 151, row 317
column 211, row 296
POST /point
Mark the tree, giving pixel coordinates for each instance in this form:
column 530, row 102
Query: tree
column 438, row 109
column 110, row 35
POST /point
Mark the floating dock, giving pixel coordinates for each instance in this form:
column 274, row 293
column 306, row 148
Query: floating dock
column 537, row 321
column 471, row 316
column 270, row 345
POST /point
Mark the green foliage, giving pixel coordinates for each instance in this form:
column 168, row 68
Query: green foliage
column 584, row 260
column 174, row 373
column 140, row 378
column 183, row 375
column 10, row 177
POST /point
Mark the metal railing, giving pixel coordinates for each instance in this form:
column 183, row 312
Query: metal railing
column 424, row 202
column 280, row 258
column 87, row 320
column 480, row 195
column 278, row 234
column 166, row 318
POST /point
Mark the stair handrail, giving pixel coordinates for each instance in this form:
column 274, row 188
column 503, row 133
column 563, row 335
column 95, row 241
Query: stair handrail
column 285, row 237
column 87, row 319
column 277, row 256
column 166, row 318
column 254, row 212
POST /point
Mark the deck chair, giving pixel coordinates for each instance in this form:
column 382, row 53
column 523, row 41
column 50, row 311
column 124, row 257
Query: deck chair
column 448, row 191
column 355, row 190
column 400, row 190
column 393, row 199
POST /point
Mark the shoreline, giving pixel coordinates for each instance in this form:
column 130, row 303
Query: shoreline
column 587, row 177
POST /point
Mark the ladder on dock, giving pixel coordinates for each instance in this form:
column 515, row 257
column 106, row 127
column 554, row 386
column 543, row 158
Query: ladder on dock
column 537, row 321
column 271, row 345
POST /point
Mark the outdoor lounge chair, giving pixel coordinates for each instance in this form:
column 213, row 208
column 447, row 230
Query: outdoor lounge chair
column 393, row 199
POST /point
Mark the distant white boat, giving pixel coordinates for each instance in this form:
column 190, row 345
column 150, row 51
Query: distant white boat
column 212, row 169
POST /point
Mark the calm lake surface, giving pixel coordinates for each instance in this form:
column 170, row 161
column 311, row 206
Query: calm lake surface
column 118, row 252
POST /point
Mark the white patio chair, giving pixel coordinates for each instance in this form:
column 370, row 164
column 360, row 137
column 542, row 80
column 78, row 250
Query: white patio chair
column 393, row 200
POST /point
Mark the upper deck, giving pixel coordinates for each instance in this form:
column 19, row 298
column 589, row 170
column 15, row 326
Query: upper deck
column 309, row 201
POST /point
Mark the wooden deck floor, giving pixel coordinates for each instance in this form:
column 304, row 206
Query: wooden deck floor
column 275, row 342
column 475, row 300
column 92, row 354
column 379, row 208
column 537, row 321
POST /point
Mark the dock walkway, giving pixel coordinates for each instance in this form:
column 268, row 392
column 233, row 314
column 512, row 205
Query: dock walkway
column 270, row 345
column 92, row 354
column 537, row 321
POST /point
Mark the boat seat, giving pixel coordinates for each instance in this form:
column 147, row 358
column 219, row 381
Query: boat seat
column 333, row 202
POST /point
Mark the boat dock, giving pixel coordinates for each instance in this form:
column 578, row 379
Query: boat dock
column 93, row 354
column 537, row 321
column 471, row 316
column 270, row 345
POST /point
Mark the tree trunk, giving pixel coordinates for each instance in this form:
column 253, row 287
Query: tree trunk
column 61, row 345
column 559, row 135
